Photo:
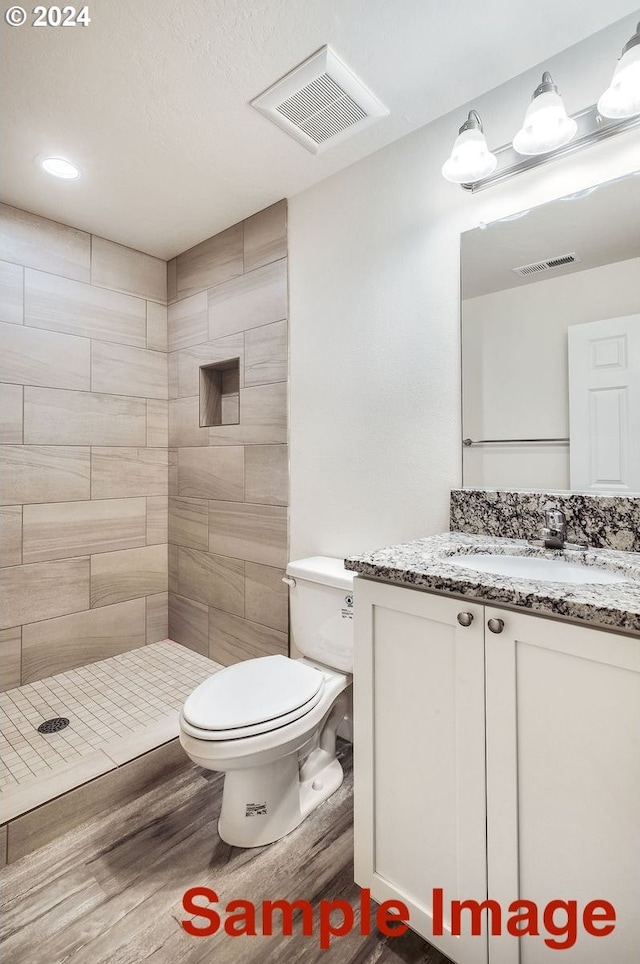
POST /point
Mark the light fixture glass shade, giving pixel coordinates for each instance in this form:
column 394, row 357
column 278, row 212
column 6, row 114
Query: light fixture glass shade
column 60, row 167
column 622, row 98
column 470, row 159
column 546, row 125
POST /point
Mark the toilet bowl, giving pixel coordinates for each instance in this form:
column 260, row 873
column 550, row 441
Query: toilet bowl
column 270, row 723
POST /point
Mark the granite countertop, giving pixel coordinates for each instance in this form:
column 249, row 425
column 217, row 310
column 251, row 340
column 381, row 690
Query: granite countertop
column 424, row 564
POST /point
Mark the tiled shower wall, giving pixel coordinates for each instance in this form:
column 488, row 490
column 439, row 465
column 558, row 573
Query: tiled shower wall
column 228, row 490
column 83, row 395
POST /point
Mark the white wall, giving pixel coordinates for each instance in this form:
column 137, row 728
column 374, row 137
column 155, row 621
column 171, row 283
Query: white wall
column 515, row 370
column 374, row 308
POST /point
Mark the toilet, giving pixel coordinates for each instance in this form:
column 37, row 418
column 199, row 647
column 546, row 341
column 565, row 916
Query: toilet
column 270, row 723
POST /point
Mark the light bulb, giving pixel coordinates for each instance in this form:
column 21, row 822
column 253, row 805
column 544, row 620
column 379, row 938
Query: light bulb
column 470, row 160
column 60, row 167
column 546, row 125
column 622, row 98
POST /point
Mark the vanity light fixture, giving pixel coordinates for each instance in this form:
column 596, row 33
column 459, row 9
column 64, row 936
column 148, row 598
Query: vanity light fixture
column 470, row 158
column 547, row 130
column 60, row 167
column 546, row 125
column 622, row 97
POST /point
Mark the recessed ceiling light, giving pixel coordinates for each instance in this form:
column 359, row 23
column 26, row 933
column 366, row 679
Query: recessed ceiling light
column 60, row 167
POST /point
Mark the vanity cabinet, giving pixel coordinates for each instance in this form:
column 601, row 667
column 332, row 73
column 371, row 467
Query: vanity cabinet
column 501, row 765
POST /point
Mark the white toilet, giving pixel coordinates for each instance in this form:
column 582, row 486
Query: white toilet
column 270, row 723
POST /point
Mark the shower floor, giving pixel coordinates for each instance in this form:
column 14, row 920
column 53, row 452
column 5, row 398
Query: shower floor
column 118, row 709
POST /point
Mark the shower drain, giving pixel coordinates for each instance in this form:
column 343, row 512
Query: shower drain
column 52, row 726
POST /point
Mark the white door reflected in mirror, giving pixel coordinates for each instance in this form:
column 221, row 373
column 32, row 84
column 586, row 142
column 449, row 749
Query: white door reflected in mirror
column 604, row 405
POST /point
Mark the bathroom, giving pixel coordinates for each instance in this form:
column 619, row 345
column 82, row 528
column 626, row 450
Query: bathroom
column 136, row 509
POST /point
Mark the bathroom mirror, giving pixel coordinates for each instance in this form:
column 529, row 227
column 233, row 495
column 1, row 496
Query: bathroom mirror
column 550, row 303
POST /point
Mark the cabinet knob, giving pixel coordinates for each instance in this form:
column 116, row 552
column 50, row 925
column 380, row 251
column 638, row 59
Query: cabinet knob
column 496, row 625
column 465, row 619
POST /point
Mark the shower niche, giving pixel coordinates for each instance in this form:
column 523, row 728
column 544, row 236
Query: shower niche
column 220, row 393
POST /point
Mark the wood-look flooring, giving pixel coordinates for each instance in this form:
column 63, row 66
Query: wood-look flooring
column 111, row 891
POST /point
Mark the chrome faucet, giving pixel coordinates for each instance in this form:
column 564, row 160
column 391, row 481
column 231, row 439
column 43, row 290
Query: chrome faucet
column 554, row 531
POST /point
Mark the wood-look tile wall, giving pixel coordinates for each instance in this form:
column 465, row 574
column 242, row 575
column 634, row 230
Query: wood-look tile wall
column 228, row 484
column 83, row 448
column 103, row 459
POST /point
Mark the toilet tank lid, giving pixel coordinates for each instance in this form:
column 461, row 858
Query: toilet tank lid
column 322, row 569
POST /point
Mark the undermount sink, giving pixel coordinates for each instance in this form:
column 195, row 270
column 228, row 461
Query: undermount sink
column 531, row 567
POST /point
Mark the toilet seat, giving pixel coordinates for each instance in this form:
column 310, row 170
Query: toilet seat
column 252, row 697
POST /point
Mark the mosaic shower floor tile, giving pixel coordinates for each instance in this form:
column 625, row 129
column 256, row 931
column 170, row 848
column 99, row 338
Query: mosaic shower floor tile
column 117, row 708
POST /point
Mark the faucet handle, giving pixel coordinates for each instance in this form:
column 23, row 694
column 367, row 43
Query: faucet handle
column 554, row 532
column 554, row 518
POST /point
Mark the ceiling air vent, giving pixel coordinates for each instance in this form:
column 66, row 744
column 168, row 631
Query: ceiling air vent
column 320, row 102
column 560, row 261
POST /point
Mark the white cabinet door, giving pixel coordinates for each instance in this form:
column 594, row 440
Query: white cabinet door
column 563, row 780
column 419, row 749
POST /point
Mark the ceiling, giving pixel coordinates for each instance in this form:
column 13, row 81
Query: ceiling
column 600, row 225
column 151, row 99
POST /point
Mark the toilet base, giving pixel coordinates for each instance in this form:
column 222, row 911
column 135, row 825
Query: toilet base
column 262, row 804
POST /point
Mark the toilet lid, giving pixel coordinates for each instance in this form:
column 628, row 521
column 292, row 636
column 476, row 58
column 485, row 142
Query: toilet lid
column 251, row 692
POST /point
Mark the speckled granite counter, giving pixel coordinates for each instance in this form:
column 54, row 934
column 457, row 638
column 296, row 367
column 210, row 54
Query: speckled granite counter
column 425, row 564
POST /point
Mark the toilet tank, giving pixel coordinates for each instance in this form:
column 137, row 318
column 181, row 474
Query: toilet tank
column 321, row 611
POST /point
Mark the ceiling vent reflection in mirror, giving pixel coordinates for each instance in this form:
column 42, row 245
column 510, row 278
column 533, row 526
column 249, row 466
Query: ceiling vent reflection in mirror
column 537, row 266
column 320, row 102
